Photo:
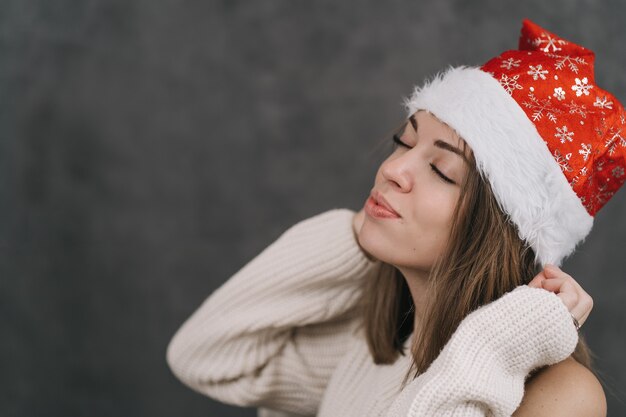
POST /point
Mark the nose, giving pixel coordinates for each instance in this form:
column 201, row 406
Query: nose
column 397, row 171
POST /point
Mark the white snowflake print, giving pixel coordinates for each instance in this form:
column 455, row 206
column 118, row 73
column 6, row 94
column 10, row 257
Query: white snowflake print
column 563, row 134
column 581, row 87
column 563, row 161
column 571, row 62
column 549, row 41
column 600, row 131
column 603, row 195
column 603, row 103
column 616, row 138
column 582, row 172
column 559, row 93
column 617, row 172
column 510, row 84
column 537, row 72
column 585, row 150
column 622, row 118
column 541, row 107
column 610, row 146
column 574, row 108
column 510, row 63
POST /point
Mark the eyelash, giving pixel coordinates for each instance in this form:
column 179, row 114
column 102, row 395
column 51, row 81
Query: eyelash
column 398, row 142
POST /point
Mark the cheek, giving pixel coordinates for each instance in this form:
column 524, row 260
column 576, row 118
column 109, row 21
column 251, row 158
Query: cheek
column 434, row 200
column 432, row 212
column 379, row 175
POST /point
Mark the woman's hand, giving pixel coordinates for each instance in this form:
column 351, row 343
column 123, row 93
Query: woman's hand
column 357, row 222
column 577, row 301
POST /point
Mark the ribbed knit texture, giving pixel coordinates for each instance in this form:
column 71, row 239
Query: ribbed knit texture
column 281, row 334
column 482, row 369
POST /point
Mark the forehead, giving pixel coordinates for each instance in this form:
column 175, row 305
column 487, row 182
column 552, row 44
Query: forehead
column 430, row 125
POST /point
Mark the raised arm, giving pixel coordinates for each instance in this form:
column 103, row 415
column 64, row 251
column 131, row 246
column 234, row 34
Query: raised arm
column 272, row 334
column 482, row 369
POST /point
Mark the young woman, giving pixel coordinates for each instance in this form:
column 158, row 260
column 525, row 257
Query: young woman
column 443, row 296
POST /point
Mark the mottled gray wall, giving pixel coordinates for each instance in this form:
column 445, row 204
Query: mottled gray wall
column 149, row 149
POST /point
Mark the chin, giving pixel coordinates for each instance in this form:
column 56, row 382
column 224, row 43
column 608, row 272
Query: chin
column 386, row 250
column 376, row 243
column 380, row 249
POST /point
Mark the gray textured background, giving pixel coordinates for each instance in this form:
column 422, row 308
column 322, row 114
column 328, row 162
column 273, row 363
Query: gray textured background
column 149, row 149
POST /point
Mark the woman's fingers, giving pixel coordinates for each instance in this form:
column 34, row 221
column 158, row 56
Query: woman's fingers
column 537, row 280
column 554, row 284
column 567, row 293
column 576, row 299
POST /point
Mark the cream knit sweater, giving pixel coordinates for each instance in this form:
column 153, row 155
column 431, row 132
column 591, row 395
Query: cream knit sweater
column 281, row 335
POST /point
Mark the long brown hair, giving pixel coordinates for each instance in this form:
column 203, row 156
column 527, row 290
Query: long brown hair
column 483, row 260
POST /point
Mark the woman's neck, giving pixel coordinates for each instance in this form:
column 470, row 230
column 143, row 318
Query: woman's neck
column 417, row 282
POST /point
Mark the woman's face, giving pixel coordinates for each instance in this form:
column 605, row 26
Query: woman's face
column 409, row 181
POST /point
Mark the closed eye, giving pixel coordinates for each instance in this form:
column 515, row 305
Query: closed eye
column 443, row 177
column 398, row 142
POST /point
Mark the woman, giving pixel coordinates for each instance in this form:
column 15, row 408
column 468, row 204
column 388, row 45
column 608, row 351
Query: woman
column 444, row 262
column 407, row 222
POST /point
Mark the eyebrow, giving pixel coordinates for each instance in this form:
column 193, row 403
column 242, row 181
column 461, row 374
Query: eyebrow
column 440, row 143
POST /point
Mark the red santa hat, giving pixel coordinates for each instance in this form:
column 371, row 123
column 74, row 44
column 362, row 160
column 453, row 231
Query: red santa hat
column 551, row 143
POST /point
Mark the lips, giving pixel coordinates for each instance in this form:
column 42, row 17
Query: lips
column 380, row 201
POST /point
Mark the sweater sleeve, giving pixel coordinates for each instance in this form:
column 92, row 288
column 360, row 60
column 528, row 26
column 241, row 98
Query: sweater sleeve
column 272, row 334
column 482, row 369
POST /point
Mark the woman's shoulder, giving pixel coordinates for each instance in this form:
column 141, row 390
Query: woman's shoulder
column 566, row 388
